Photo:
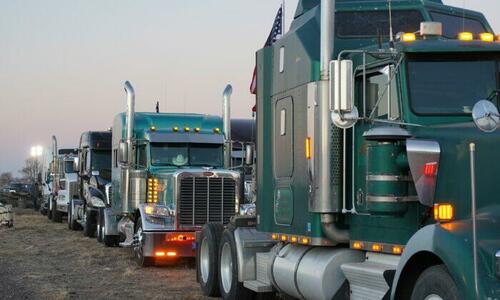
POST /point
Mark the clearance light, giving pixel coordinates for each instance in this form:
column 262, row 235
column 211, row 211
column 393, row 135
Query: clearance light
column 274, row 236
column 408, row 37
column 175, row 129
column 443, row 212
column 293, row 239
column 308, row 148
column 197, row 129
column 397, row 250
column 180, row 238
column 284, row 238
column 430, row 169
column 487, row 37
column 305, row 241
column 466, row 36
column 171, row 253
column 217, row 130
column 357, row 245
column 187, row 129
column 152, row 128
column 159, row 253
column 153, row 190
column 376, row 247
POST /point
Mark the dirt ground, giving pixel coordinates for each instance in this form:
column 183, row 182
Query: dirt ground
column 40, row 259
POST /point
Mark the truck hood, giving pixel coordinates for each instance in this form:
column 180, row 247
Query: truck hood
column 454, row 179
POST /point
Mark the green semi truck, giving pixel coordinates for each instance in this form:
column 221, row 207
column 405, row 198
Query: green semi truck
column 376, row 167
column 168, row 179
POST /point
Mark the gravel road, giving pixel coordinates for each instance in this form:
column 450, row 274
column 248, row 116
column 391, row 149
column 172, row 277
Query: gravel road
column 40, row 259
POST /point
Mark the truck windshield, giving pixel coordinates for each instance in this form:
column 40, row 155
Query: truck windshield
column 182, row 154
column 68, row 166
column 439, row 85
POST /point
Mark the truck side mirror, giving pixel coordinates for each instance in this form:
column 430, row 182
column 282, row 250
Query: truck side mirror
column 344, row 113
column 123, row 152
column 249, row 155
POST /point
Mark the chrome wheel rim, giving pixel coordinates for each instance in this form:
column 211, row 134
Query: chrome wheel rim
column 138, row 248
column 204, row 260
column 226, row 267
column 433, row 297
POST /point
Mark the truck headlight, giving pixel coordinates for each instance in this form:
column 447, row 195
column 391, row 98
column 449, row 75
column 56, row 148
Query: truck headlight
column 157, row 211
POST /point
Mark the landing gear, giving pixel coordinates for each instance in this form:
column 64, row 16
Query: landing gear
column 435, row 283
column 208, row 259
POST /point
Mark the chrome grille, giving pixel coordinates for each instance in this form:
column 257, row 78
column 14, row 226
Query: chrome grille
column 206, row 199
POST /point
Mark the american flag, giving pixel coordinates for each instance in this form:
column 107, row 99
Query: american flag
column 274, row 35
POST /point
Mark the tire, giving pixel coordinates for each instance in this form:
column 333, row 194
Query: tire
column 435, row 281
column 72, row 223
column 207, row 259
column 89, row 228
column 56, row 215
column 230, row 288
column 140, row 259
column 99, row 229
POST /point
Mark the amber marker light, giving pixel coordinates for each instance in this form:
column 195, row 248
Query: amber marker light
column 408, row 37
column 171, row 253
column 197, row 129
column 357, row 245
column 274, row 236
column 160, row 253
column 153, row 128
column 443, row 212
column 217, row 130
column 293, row 239
column 397, row 250
column 308, row 148
column 376, row 247
column 466, row 36
column 487, row 37
column 284, row 238
column 305, row 241
column 175, row 129
column 187, row 129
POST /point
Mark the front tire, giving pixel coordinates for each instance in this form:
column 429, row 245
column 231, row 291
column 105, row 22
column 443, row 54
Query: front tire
column 89, row 228
column 100, row 228
column 207, row 259
column 230, row 287
column 141, row 260
column 435, row 283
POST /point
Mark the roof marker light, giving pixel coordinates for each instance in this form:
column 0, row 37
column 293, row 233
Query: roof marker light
column 284, row 238
column 187, row 129
column 466, row 36
column 487, row 37
column 197, row 129
column 408, row 37
column 152, row 128
column 175, row 129
column 357, row 245
column 377, row 247
column 217, row 130
column 397, row 250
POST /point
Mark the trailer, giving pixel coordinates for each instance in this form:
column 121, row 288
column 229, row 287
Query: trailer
column 376, row 160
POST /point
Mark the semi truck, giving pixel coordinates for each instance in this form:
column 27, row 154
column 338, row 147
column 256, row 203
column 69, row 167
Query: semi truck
column 377, row 138
column 94, row 173
column 64, row 181
column 167, row 180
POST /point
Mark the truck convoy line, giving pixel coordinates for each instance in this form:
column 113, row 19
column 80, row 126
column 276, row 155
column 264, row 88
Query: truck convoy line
column 373, row 174
column 376, row 160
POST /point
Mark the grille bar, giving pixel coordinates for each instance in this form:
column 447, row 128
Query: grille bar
column 206, row 199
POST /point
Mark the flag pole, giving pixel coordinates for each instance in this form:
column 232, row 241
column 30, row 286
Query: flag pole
column 283, row 22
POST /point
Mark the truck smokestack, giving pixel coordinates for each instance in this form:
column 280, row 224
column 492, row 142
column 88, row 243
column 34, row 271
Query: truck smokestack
column 54, row 147
column 129, row 136
column 226, row 119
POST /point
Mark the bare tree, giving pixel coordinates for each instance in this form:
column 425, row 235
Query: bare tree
column 32, row 167
column 6, row 178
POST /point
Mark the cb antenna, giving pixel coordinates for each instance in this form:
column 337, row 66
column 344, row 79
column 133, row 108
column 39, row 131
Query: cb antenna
column 157, row 106
column 391, row 35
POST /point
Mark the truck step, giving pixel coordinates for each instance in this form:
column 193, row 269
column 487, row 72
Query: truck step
column 262, row 284
column 371, row 279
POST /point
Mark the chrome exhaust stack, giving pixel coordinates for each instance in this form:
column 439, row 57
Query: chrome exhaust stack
column 325, row 202
column 226, row 119
column 130, row 114
column 54, row 154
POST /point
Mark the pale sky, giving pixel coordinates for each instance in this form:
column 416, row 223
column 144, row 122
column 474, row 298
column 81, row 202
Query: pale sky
column 63, row 63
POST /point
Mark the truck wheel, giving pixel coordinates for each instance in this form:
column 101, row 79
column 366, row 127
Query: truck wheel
column 89, row 229
column 207, row 259
column 56, row 215
column 435, row 283
column 141, row 260
column 72, row 223
column 100, row 216
column 229, row 286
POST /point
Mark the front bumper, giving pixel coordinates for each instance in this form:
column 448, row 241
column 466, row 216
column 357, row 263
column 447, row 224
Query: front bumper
column 160, row 244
